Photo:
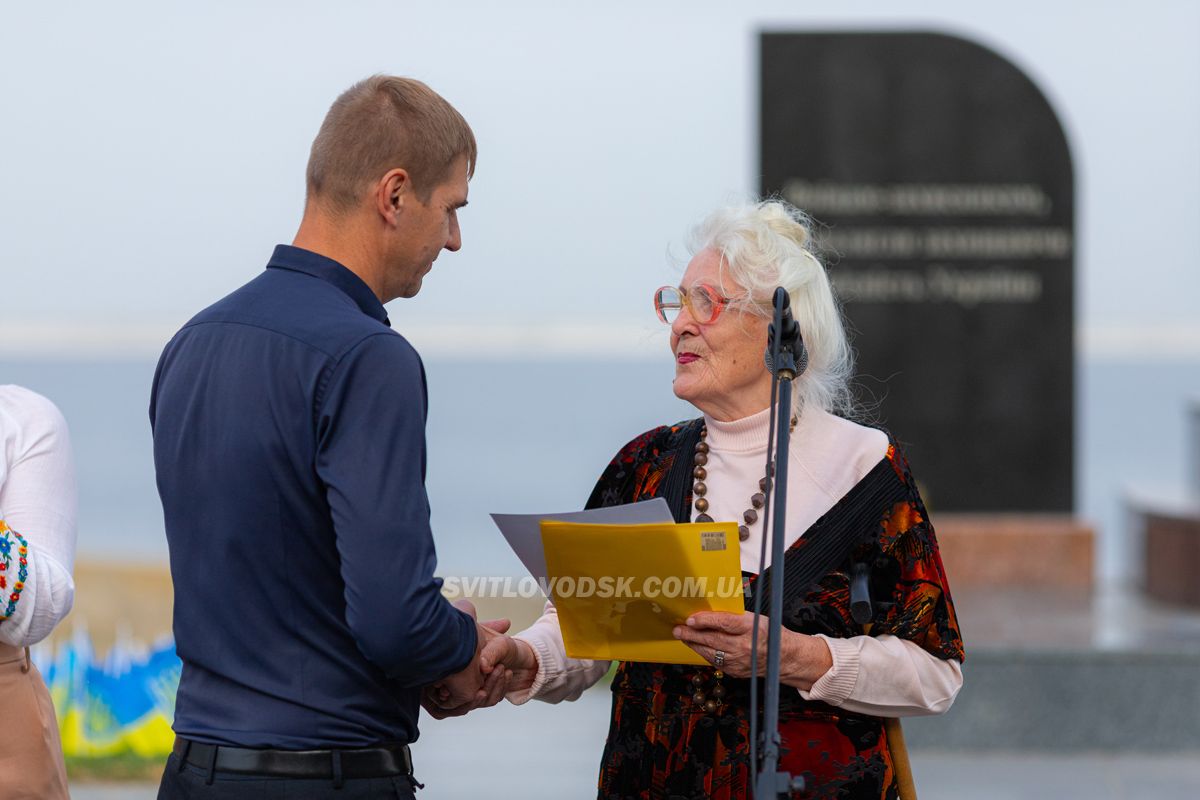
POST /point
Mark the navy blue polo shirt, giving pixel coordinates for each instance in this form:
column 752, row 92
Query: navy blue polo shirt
column 289, row 446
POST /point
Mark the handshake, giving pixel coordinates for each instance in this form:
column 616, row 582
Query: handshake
column 501, row 665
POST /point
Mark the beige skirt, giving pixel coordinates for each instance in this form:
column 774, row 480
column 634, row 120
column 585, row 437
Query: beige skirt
column 31, row 759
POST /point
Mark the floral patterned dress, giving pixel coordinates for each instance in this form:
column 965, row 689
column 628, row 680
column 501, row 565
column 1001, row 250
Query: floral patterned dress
column 662, row 745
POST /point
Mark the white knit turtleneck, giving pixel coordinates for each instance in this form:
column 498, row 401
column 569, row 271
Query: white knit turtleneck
column 827, row 457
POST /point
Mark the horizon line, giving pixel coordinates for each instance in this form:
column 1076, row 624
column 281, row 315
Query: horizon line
column 620, row 339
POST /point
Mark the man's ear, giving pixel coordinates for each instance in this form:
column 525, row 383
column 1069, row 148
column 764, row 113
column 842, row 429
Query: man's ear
column 391, row 193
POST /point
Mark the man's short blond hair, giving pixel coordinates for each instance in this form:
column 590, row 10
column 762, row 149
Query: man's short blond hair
column 383, row 123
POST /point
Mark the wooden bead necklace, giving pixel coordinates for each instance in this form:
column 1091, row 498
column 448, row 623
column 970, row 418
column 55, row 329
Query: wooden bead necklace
column 710, row 700
column 699, row 488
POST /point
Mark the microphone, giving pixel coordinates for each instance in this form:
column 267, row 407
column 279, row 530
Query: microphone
column 790, row 338
column 860, row 593
column 801, row 360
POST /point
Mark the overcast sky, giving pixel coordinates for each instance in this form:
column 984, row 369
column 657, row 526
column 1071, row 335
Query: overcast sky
column 153, row 153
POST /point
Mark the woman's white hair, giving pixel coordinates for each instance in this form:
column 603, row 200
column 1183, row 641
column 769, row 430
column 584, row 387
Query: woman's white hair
column 768, row 244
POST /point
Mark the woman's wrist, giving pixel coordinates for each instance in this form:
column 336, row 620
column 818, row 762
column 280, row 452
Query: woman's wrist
column 525, row 667
column 804, row 661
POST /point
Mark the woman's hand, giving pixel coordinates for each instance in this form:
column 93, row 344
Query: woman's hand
column 803, row 661
column 515, row 656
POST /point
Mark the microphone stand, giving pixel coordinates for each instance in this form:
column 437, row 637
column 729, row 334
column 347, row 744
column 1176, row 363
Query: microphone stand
column 784, row 338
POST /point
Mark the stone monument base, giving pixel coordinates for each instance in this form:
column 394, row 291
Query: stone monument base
column 1016, row 550
column 1171, row 538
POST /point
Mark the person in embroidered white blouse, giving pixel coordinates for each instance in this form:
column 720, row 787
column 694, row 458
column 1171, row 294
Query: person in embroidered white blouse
column 679, row 731
column 37, row 552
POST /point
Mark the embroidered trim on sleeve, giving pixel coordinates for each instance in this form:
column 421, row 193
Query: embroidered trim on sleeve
column 7, row 537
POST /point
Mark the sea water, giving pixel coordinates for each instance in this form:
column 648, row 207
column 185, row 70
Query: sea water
column 523, row 436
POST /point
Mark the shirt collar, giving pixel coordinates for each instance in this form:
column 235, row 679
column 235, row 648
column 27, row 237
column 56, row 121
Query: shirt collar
column 298, row 259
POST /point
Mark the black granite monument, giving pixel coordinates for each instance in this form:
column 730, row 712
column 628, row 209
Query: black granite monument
column 942, row 184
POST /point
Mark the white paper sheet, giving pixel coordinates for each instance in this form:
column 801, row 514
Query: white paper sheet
column 524, row 532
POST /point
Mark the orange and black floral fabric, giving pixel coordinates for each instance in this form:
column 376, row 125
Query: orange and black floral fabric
column 663, row 746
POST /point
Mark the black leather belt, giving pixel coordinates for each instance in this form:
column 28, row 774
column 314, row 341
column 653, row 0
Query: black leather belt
column 365, row 762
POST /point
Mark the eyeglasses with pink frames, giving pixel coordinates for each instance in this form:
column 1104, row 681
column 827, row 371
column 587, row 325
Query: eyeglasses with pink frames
column 703, row 302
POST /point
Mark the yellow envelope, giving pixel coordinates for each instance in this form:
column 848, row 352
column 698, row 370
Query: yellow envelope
column 621, row 589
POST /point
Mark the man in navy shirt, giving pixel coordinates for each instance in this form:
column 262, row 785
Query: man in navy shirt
column 289, row 447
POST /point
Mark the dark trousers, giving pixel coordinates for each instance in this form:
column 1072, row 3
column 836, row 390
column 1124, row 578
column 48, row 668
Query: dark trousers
column 192, row 782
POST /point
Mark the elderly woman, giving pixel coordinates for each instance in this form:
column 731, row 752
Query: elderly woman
column 37, row 549
column 683, row 731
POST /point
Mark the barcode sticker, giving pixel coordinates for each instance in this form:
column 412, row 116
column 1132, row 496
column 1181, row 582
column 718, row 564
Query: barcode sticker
column 712, row 540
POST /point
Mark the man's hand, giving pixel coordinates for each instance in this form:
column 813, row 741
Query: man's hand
column 479, row 684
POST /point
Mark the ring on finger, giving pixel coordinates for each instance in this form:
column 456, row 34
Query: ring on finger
column 719, row 658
